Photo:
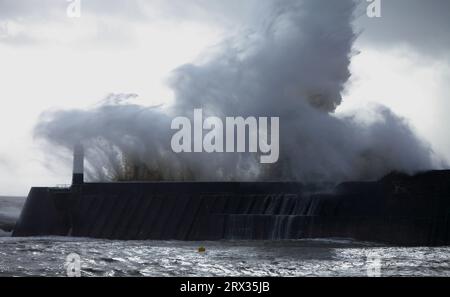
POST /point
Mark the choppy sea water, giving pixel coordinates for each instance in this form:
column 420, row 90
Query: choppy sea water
column 47, row 257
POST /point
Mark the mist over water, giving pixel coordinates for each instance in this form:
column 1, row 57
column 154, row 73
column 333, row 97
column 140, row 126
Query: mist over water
column 10, row 208
column 290, row 64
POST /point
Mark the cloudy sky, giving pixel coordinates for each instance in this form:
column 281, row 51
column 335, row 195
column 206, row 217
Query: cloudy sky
column 50, row 61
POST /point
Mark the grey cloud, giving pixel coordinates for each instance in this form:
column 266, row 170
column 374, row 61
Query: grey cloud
column 30, row 9
column 42, row 10
column 105, row 14
column 133, row 10
column 114, row 20
column 421, row 24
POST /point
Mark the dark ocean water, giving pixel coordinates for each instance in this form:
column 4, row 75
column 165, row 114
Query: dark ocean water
column 48, row 257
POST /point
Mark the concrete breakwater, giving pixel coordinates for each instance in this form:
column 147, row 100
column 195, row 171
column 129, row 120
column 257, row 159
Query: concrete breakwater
column 398, row 209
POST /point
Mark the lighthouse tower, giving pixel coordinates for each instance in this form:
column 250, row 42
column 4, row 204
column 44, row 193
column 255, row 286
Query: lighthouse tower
column 78, row 165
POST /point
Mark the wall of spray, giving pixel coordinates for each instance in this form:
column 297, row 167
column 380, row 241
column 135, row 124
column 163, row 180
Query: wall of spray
column 292, row 63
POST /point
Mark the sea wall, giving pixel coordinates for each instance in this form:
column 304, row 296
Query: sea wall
column 395, row 210
column 46, row 212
